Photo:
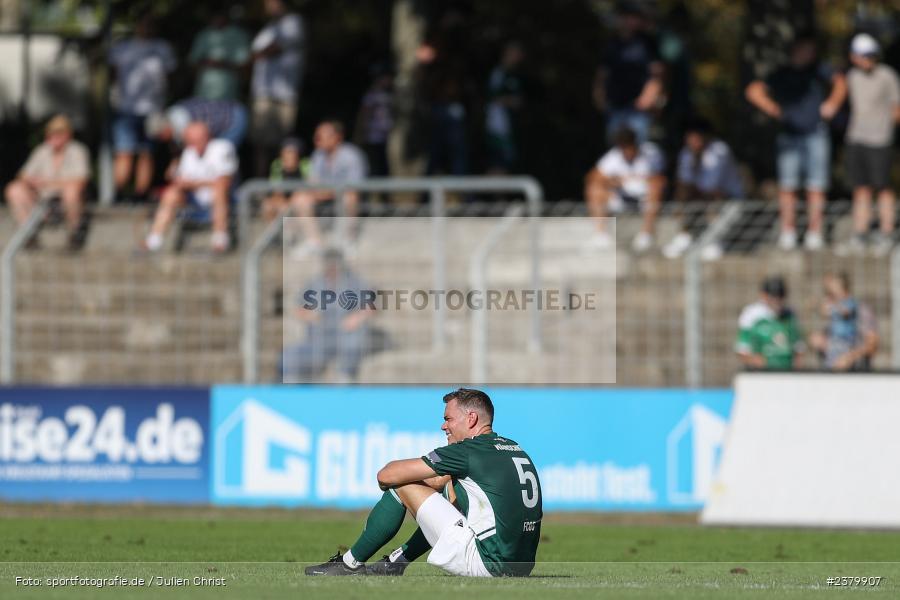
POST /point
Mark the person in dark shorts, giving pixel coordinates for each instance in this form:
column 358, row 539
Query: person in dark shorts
column 874, row 111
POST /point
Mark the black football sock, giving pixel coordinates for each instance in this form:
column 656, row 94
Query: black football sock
column 414, row 547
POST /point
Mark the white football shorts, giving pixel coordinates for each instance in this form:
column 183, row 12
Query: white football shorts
column 452, row 541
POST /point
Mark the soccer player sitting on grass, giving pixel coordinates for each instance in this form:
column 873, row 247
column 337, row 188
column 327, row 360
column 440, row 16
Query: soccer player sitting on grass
column 487, row 524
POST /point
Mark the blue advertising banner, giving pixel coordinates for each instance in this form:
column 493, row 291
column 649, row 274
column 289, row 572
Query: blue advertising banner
column 104, row 444
column 630, row 450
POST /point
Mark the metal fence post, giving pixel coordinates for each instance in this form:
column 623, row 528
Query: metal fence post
column 8, row 292
column 693, row 342
column 478, row 282
column 895, row 308
column 250, row 304
column 438, row 244
column 533, row 198
column 693, row 281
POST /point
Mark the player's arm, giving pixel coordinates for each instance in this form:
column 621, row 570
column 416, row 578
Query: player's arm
column 401, row 472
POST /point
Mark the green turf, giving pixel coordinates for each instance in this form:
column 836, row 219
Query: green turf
column 263, row 558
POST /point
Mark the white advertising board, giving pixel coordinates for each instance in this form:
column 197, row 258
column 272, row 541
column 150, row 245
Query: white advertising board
column 810, row 450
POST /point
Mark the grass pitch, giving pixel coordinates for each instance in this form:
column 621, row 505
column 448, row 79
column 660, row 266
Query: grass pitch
column 261, row 555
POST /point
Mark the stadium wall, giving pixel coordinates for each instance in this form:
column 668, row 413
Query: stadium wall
column 316, row 446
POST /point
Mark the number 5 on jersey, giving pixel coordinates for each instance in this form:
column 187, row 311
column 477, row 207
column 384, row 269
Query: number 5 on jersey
column 527, row 478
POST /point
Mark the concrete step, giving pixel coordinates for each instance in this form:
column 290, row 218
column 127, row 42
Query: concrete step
column 48, row 366
column 91, row 333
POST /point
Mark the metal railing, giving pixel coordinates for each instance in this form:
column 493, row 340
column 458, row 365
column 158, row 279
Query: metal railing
column 8, row 291
column 682, row 315
column 693, row 335
column 895, row 308
column 478, row 281
column 435, row 187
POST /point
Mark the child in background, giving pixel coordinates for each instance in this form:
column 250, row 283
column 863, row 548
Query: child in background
column 289, row 165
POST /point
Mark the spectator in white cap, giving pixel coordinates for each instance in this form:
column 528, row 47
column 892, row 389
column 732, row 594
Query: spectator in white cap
column 874, row 111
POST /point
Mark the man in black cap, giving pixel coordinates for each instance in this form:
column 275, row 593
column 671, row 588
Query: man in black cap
column 768, row 334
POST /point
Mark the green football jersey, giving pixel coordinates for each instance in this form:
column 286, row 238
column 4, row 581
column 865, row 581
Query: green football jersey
column 498, row 490
column 777, row 337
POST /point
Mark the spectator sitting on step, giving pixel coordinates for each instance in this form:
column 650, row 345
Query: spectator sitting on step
column 203, row 178
column 226, row 119
column 289, row 166
column 333, row 163
column 768, row 334
column 58, row 168
column 850, row 340
column 630, row 173
column 336, row 319
column 707, row 172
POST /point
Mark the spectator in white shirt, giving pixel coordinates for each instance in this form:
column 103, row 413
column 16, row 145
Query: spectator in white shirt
column 142, row 65
column 629, row 173
column 334, row 162
column 707, row 172
column 277, row 53
column 203, row 178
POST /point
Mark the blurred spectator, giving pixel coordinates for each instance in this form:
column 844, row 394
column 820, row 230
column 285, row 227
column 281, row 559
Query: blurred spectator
column 375, row 121
column 334, row 162
column 874, row 111
column 58, row 168
column 141, row 64
column 506, row 97
column 447, row 87
column 203, row 179
column 218, row 54
column 769, row 336
column 802, row 96
column 226, row 119
column 707, row 172
column 335, row 331
column 851, row 338
column 675, row 30
column 448, row 152
column 630, row 173
column 275, row 86
column 289, row 166
column 628, row 84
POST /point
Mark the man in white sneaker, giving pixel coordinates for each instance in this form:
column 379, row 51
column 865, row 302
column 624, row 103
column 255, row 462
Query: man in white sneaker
column 802, row 97
column 707, row 172
column 874, row 112
column 203, row 178
column 629, row 173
